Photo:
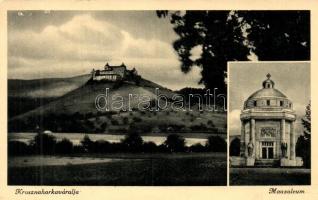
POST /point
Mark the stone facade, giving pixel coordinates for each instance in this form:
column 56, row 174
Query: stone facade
column 110, row 73
column 267, row 128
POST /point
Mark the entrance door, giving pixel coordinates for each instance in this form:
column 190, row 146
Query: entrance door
column 267, row 150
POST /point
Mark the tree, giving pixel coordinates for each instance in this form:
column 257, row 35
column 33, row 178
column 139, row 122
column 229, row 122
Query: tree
column 133, row 142
column 87, row 143
column 197, row 148
column 43, row 144
column 102, row 146
column 150, row 147
column 219, row 38
column 175, row 143
column 224, row 36
column 303, row 146
column 306, row 121
column 235, row 147
column 65, row 146
column 278, row 35
column 17, row 148
column 216, row 144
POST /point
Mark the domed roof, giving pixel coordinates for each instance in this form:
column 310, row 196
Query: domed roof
column 268, row 98
column 268, row 90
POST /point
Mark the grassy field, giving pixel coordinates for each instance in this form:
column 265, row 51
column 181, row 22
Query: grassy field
column 147, row 170
column 269, row 176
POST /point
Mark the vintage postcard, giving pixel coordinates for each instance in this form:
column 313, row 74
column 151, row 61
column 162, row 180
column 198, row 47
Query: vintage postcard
column 160, row 100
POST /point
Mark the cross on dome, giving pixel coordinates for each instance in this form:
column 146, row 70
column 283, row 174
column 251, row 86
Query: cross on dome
column 268, row 83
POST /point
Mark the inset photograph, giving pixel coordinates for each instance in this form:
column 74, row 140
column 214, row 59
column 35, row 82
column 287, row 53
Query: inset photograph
column 269, row 123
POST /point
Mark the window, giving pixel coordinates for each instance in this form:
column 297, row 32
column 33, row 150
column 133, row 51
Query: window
column 267, row 150
column 281, row 103
column 267, row 85
column 267, row 144
column 255, row 103
column 268, row 102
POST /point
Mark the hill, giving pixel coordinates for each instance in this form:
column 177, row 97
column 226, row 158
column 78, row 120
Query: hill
column 75, row 111
column 26, row 95
column 45, row 88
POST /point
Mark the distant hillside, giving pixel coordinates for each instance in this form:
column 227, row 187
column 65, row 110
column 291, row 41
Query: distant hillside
column 75, row 111
column 26, row 95
column 45, row 88
column 82, row 99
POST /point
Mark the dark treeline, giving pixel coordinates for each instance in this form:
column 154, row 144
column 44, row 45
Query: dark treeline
column 90, row 122
column 45, row 144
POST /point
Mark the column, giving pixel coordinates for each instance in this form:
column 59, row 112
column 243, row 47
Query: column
column 246, row 139
column 292, row 142
column 243, row 145
column 282, row 136
column 252, row 138
column 282, row 130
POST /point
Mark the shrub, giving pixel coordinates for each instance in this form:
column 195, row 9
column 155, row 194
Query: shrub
column 200, row 127
column 235, row 147
column 216, row 144
column 88, row 115
column 118, row 147
column 150, row 147
column 102, row 146
column 125, row 120
column 175, row 143
column 43, row 144
column 65, row 146
column 137, row 119
column 78, row 149
column 18, row 148
column 133, row 142
column 103, row 126
column 303, row 150
column 197, row 148
column 140, row 128
column 210, row 123
column 114, row 122
column 87, row 143
column 117, row 84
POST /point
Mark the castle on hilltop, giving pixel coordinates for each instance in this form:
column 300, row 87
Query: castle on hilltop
column 112, row 73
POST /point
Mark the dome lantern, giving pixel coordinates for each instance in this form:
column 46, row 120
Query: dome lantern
column 268, row 83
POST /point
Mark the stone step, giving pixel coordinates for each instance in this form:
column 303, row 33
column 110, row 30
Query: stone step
column 266, row 162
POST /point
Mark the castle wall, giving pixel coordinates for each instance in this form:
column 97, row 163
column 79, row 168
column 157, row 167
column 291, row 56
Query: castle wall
column 111, row 74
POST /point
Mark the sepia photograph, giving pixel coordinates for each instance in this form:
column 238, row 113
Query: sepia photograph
column 99, row 98
column 270, row 123
column 139, row 98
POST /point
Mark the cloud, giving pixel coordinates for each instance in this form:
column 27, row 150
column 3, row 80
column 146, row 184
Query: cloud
column 83, row 42
column 84, row 37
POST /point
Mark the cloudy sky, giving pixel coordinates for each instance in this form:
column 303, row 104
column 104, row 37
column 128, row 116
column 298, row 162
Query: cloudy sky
column 69, row 43
column 292, row 79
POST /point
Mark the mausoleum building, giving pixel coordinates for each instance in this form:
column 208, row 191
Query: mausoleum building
column 267, row 128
